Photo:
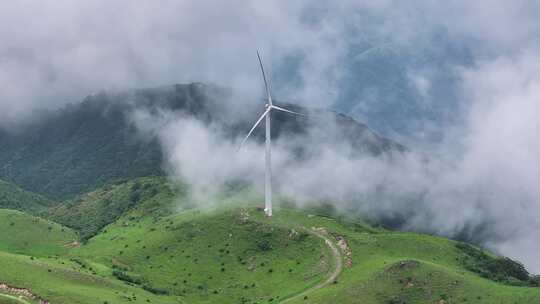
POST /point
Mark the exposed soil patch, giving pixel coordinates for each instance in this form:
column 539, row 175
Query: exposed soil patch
column 74, row 244
column 21, row 292
column 403, row 265
column 344, row 246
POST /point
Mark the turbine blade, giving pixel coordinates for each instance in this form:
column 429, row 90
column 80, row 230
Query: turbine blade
column 288, row 111
column 264, row 78
column 254, row 126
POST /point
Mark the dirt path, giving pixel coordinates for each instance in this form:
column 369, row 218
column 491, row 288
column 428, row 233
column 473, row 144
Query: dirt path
column 336, row 253
column 17, row 299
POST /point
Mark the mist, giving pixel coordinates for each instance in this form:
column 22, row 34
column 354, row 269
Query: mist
column 480, row 186
column 481, row 179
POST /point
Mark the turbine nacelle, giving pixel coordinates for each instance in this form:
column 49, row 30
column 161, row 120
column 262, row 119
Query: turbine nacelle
column 269, row 109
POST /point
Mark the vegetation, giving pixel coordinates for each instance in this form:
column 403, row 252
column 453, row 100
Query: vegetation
column 500, row 269
column 77, row 150
column 13, row 197
column 23, row 233
column 222, row 256
column 90, row 144
column 106, row 228
column 61, row 281
column 148, row 244
column 89, row 213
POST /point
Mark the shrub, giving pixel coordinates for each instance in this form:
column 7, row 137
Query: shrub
column 535, row 281
column 135, row 196
column 264, row 245
column 154, row 290
column 500, row 269
column 126, row 277
column 136, row 186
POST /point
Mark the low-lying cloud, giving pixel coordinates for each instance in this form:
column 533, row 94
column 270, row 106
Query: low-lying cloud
column 480, row 184
column 481, row 179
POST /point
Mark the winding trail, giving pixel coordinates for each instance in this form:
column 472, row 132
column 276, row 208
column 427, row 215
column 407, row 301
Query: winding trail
column 336, row 253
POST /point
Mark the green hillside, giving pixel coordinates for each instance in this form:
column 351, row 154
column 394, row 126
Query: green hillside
column 23, row 233
column 65, row 282
column 91, row 212
column 159, row 248
column 34, row 255
column 397, row 267
column 13, row 197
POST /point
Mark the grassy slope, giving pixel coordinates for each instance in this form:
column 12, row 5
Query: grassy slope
column 90, row 212
column 63, row 281
column 224, row 256
column 180, row 253
column 23, row 233
column 377, row 276
column 10, row 299
column 13, row 197
column 35, row 257
column 372, row 278
column 183, row 253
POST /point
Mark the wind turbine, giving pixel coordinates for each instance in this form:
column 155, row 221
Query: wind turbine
column 269, row 106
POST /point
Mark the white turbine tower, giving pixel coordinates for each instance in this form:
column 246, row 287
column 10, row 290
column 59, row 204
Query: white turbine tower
column 268, row 155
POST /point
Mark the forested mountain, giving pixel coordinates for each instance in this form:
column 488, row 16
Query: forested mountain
column 76, row 149
column 86, row 145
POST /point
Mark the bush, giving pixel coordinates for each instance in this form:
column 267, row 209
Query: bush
column 135, row 196
column 500, row 269
column 264, row 245
column 126, row 277
column 136, row 186
column 535, row 281
column 154, row 290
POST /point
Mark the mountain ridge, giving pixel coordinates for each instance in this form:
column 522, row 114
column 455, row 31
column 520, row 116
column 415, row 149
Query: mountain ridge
column 89, row 144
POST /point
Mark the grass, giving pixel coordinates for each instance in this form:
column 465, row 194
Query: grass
column 153, row 246
column 90, row 212
column 222, row 257
column 432, row 266
column 10, row 299
column 62, row 281
column 26, row 234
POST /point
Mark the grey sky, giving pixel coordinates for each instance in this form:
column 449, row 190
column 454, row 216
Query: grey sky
column 54, row 52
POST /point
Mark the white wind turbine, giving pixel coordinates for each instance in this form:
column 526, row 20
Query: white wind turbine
column 269, row 106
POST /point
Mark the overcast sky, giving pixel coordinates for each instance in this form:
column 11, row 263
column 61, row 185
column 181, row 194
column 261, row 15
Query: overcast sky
column 55, row 52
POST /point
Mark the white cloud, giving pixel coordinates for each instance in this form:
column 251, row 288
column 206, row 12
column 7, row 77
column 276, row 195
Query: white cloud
column 54, row 52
